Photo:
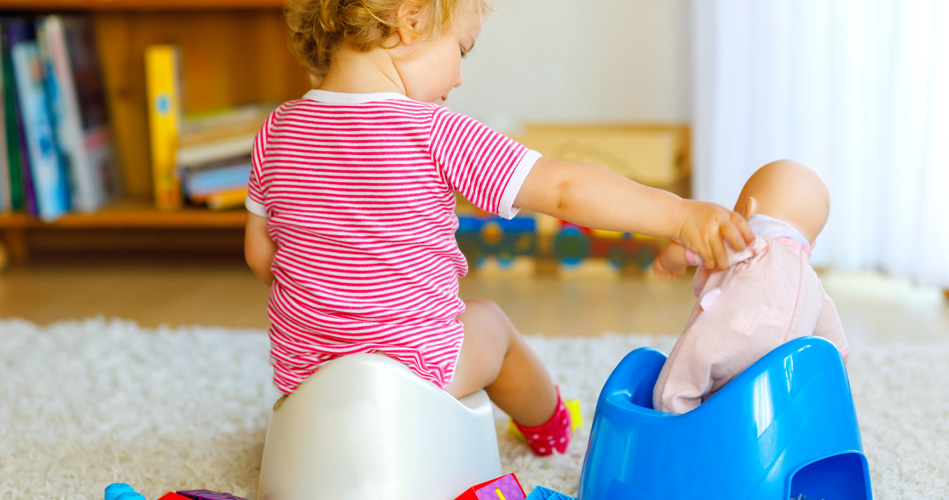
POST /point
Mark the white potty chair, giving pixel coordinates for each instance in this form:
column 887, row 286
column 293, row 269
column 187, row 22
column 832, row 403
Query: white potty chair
column 365, row 427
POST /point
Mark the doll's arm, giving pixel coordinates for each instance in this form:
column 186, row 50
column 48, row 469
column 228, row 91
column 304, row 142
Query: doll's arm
column 259, row 249
column 595, row 197
column 671, row 263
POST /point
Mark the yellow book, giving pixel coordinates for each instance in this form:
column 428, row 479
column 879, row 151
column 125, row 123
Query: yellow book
column 226, row 200
column 161, row 81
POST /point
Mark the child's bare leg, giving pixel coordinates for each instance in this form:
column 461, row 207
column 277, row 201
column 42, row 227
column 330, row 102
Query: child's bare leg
column 495, row 357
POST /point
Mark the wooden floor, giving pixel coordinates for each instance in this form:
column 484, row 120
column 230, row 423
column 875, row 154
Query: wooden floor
column 222, row 292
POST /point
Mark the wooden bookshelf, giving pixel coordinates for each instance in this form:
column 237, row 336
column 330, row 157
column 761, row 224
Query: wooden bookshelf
column 129, row 214
column 97, row 5
column 231, row 52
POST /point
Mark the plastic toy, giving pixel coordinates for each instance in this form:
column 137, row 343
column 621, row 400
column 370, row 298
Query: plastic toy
column 208, row 495
column 506, row 487
column 767, row 295
column 783, row 428
column 116, row 490
column 541, row 493
column 364, row 426
column 573, row 244
column 173, row 496
column 483, row 235
column 122, row 491
column 489, row 236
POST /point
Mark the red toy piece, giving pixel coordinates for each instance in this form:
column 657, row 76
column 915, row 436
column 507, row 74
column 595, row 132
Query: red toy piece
column 173, row 496
column 506, row 487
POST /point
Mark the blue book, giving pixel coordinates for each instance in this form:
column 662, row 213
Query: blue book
column 205, row 182
column 56, row 108
column 79, row 115
column 50, row 185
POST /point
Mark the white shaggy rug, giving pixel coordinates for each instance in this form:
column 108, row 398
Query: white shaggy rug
column 84, row 404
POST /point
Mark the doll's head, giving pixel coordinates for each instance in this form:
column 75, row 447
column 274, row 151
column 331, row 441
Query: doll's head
column 789, row 191
column 319, row 27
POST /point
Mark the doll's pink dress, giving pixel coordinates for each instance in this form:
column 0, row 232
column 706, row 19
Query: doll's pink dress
column 767, row 296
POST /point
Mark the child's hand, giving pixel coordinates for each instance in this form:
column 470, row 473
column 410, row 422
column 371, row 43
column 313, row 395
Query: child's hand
column 705, row 227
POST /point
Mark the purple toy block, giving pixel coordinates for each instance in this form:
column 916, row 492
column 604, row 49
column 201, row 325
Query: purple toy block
column 208, row 495
column 509, row 487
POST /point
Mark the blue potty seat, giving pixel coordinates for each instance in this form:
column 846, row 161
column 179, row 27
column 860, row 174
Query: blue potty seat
column 783, row 428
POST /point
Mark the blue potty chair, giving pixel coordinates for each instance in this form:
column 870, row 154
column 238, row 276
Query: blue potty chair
column 783, row 428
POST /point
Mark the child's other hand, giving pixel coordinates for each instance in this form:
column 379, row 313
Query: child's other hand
column 705, row 227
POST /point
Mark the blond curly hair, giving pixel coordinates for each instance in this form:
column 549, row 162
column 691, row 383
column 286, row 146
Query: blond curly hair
column 318, row 27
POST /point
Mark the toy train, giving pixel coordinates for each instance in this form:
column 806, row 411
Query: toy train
column 481, row 237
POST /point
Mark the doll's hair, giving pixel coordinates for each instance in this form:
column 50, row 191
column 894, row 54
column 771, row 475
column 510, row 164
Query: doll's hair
column 318, row 27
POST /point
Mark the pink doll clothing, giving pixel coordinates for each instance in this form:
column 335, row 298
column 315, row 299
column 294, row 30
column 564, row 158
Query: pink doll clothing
column 767, row 296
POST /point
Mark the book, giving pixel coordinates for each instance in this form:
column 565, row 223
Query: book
column 196, row 155
column 225, row 200
column 162, row 86
column 6, row 200
column 13, row 30
column 50, row 186
column 218, row 136
column 53, row 101
column 77, row 101
column 212, row 125
column 199, row 183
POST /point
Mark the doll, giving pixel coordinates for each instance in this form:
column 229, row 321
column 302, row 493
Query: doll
column 768, row 294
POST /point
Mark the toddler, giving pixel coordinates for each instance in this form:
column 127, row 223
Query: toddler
column 768, row 295
column 351, row 201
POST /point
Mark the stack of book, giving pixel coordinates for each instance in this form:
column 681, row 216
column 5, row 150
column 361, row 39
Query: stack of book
column 214, row 153
column 55, row 139
column 197, row 159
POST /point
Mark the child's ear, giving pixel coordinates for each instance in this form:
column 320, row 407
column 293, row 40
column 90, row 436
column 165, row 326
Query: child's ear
column 408, row 18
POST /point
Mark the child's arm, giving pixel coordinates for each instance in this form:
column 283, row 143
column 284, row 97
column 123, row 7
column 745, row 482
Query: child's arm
column 259, row 249
column 595, row 197
column 671, row 263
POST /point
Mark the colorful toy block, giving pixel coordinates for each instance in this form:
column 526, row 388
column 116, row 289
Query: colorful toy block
column 208, row 495
column 173, row 496
column 122, row 491
column 506, row 487
column 115, row 490
column 541, row 493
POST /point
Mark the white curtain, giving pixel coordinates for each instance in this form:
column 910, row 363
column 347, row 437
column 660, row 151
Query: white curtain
column 856, row 89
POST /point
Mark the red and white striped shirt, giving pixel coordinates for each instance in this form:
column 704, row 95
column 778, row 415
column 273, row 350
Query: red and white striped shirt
column 359, row 194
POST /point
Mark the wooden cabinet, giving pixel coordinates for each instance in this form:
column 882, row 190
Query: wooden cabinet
column 231, row 52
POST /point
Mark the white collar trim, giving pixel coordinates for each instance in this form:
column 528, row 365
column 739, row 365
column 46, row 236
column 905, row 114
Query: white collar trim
column 328, row 97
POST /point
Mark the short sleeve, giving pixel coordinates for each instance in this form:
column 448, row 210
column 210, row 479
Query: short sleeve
column 255, row 189
column 485, row 166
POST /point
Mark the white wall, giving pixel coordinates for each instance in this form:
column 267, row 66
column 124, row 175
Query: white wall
column 579, row 61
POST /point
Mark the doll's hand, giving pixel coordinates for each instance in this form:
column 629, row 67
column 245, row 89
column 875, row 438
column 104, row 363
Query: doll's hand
column 663, row 274
column 705, row 227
